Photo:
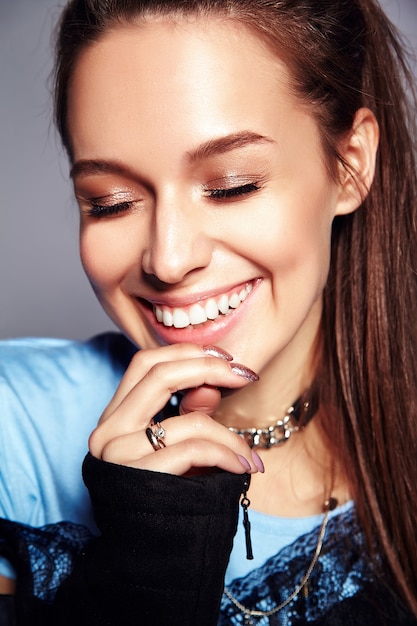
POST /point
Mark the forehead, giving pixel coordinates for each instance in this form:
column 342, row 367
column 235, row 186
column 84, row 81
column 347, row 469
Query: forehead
column 165, row 43
column 199, row 77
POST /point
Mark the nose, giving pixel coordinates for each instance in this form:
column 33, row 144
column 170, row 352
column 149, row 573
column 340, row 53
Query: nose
column 178, row 243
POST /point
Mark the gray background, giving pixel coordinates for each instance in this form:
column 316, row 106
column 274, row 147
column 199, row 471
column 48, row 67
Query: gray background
column 43, row 290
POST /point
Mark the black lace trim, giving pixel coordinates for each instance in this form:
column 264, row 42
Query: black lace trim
column 340, row 573
column 42, row 557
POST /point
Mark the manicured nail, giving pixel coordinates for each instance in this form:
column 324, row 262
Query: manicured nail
column 258, row 461
column 244, row 462
column 217, row 352
column 244, row 372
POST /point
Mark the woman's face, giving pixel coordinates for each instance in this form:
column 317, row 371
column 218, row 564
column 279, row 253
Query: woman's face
column 206, row 206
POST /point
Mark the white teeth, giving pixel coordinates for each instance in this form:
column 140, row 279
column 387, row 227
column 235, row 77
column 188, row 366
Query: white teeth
column 234, row 301
column 197, row 313
column 180, row 319
column 223, row 304
column 212, row 310
column 167, row 318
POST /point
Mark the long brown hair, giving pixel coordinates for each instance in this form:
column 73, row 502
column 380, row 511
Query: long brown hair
column 343, row 54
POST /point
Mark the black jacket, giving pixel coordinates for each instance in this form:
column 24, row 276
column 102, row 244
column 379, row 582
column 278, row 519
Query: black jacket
column 161, row 558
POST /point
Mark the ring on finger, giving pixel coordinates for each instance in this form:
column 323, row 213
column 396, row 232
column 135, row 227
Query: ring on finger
column 158, row 430
column 156, row 437
column 155, row 443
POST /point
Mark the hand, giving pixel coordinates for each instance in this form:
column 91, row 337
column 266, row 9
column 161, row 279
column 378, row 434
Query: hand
column 193, row 439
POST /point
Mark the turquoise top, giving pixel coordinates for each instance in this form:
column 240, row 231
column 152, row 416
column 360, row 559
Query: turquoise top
column 52, row 393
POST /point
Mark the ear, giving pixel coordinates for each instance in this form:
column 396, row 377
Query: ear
column 358, row 150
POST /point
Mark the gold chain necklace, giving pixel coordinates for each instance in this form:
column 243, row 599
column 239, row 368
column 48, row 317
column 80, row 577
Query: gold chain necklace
column 329, row 505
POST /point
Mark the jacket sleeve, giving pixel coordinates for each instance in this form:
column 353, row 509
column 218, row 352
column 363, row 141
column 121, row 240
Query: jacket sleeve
column 163, row 551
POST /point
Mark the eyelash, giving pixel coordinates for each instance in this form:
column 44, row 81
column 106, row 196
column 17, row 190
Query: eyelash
column 103, row 210
column 232, row 192
column 99, row 210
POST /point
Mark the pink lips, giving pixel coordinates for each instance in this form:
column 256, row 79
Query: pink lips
column 203, row 310
column 205, row 320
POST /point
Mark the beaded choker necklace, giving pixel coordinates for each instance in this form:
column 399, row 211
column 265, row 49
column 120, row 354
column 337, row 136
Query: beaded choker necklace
column 295, row 419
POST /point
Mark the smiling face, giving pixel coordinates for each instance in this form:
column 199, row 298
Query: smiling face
column 206, row 205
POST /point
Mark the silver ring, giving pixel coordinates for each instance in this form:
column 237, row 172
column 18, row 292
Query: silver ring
column 153, row 440
column 156, row 436
column 159, row 431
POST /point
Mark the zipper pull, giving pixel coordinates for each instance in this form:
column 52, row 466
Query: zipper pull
column 245, row 504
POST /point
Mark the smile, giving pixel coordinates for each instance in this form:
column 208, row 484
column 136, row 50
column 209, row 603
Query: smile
column 201, row 312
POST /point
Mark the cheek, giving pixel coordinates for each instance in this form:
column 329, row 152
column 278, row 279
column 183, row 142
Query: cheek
column 291, row 241
column 102, row 258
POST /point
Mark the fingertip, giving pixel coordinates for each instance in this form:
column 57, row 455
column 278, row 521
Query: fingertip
column 244, row 372
column 258, row 461
column 204, row 399
column 217, row 352
column 245, row 463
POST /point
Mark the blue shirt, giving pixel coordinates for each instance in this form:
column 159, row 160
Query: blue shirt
column 52, row 393
column 269, row 535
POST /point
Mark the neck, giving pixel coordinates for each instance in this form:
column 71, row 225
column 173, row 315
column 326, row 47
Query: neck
column 298, row 476
column 303, row 471
column 261, row 404
column 283, row 378
column 299, row 473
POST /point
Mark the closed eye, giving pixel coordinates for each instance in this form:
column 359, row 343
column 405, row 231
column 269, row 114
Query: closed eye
column 107, row 210
column 232, row 192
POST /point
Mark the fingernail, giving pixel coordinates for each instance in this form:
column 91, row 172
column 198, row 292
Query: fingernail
column 258, row 461
column 244, row 462
column 244, row 372
column 217, row 352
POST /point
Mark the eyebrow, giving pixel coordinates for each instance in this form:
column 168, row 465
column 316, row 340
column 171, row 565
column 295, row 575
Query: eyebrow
column 212, row 147
column 89, row 167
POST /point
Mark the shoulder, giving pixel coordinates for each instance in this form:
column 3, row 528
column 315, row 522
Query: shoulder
column 52, row 393
column 46, row 378
column 33, row 358
column 43, row 368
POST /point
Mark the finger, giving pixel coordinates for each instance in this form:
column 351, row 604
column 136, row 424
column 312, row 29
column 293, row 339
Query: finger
column 152, row 393
column 193, row 426
column 185, row 456
column 205, row 399
column 144, row 360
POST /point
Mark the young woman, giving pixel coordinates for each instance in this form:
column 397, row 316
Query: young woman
column 246, row 180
